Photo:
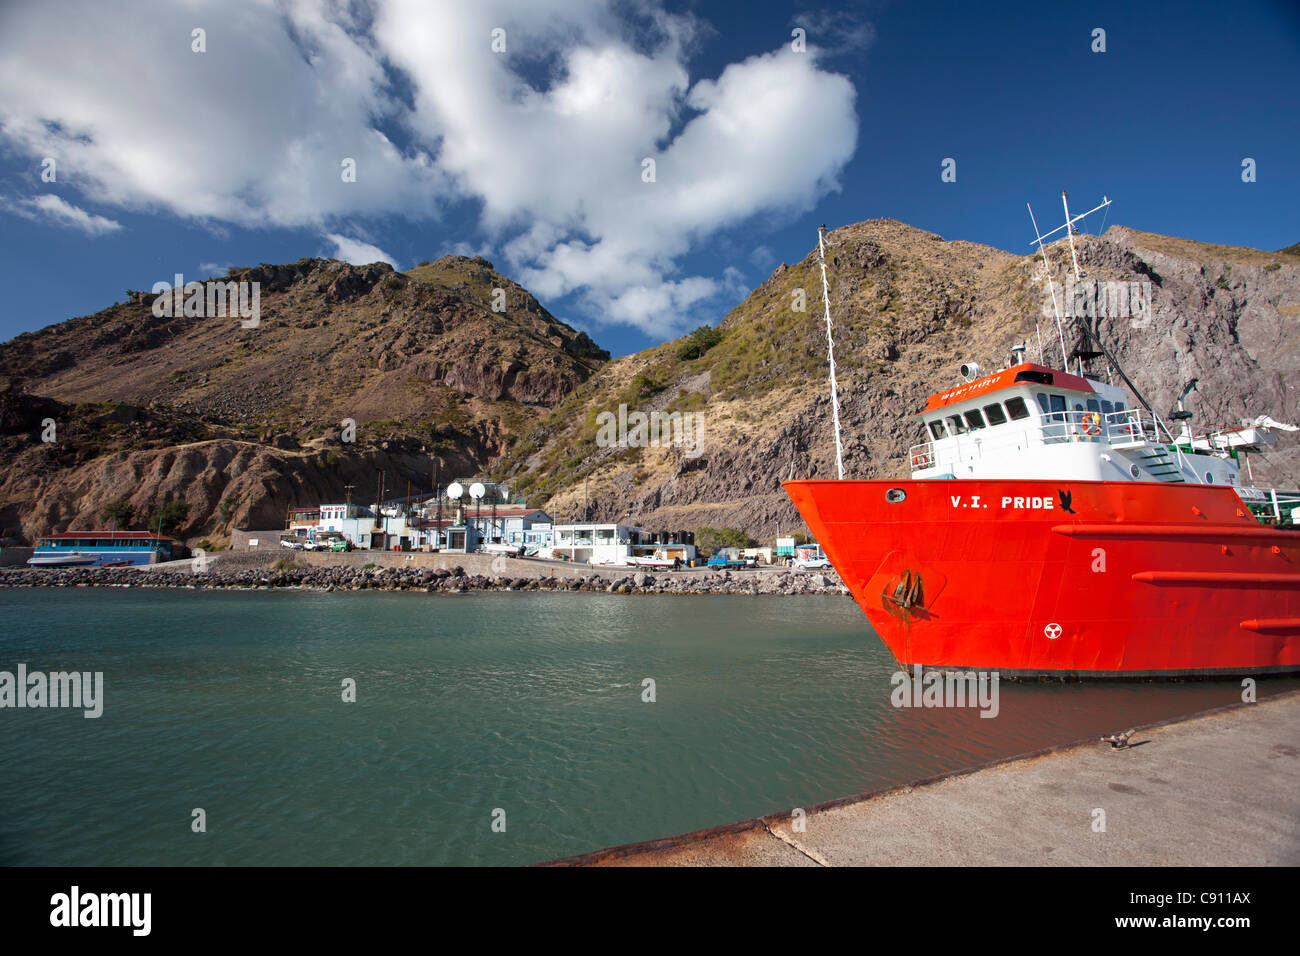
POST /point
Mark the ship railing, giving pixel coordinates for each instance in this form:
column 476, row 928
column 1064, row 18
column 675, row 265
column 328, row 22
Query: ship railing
column 1130, row 426
column 977, row 443
column 1071, row 426
column 1285, row 505
column 1134, row 425
column 922, row 456
column 1272, row 505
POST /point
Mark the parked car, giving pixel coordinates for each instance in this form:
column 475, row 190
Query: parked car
column 811, row 561
column 291, row 544
column 720, row 560
column 342, row 544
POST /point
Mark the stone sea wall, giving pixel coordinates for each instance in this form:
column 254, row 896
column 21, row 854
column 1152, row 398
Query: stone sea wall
column 498, row 576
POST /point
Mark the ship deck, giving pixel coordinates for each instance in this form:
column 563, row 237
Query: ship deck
column 1221, row 788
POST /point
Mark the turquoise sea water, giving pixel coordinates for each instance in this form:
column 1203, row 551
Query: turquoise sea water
column 524, row 702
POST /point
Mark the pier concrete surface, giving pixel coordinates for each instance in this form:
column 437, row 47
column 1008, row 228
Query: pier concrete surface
column 1220, row 788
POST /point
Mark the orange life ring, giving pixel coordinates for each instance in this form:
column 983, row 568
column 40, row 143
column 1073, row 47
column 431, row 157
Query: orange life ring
column 1092, row 424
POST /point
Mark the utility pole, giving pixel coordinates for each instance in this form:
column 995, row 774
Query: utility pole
column 437, row 492
column 407, row 514
column 379, row 508
column 830, row 354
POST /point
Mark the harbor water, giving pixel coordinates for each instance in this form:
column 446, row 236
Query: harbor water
column 487, row 728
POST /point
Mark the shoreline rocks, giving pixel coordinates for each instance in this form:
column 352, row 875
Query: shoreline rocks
column 429, row 580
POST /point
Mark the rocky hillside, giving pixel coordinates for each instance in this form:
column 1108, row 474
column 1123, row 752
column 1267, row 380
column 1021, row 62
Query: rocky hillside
column 450, row 363
column 909, row 308
column 242, row 423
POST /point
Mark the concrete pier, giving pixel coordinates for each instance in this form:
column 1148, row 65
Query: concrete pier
column 1221, row 788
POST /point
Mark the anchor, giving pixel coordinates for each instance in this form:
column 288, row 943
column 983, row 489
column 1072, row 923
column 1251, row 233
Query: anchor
column 907, row 593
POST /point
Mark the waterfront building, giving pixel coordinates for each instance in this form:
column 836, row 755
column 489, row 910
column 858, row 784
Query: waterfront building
column 512, row 524
column 595, row 543
column 617, row 544
column 333, row 513
column 359, row 527
column 468, row 528
column 303, row 522
column 102, row 549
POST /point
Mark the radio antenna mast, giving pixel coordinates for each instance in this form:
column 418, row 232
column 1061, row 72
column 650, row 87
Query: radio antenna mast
column 1050, row 285
column 1069, row 231
column 830, row 353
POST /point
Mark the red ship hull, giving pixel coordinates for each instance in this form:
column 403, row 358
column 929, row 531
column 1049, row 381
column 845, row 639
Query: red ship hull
column 1065, row 579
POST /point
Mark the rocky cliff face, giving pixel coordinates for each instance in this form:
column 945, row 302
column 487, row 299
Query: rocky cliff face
column 1229, row 319
column 909, row 308
column 349, row 369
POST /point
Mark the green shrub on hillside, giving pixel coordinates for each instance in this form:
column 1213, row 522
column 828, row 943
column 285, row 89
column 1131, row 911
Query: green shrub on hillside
column 640, row 388
column 699, row 342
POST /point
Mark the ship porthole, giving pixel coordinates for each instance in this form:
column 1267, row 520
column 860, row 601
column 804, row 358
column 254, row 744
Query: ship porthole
column 1134, row 470
column 895, row 495
column 1209, row 478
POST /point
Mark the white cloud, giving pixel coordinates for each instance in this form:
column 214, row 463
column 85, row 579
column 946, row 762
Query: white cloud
column 53, row 210
column 253, row 131
column 357, row 252
column 547, row 138
column 768, row 135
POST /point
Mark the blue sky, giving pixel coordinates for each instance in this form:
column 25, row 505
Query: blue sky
column 531, row 156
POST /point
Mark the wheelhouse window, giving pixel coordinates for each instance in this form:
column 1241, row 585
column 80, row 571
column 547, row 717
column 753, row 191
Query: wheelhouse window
column 1017, row 409
column 1106, row 407
column 974, row 419
column 936, row 430
column 1058, row 407
column 995, row 414
column 956, row 425
column 1094, row 405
